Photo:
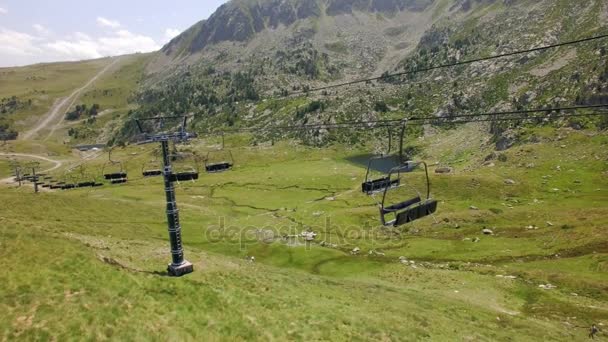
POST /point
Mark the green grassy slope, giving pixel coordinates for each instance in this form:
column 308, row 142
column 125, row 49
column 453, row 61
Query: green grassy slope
column 99, row 255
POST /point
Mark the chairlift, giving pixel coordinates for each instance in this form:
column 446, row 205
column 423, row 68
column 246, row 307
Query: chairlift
column 151, row 169
column 218, row 166
column 119, row 176
column 373, row 186
column 186, row 172
column 411, row 209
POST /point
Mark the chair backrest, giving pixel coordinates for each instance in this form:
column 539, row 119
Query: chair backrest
column 419, row 211
column 220, row 167
column 401, row 206
column 379, row 185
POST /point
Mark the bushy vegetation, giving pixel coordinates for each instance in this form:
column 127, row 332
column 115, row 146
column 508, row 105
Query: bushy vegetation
column 82, row 110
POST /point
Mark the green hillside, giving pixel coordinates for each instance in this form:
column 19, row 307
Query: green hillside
column 285, row 246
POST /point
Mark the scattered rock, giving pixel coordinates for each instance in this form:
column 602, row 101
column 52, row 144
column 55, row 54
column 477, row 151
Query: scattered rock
column 509, row 182
column 376, row 253
column 558, row 168
column 473, row 207
column 578, row 182
column 331, row 199
column 506, row 277
column 489, row 164
column 506, row 141
column 547, row 286
column 444, row 170
column 309, row 236
column 328, row 245
column 487, row 231
column 532, row 228
column 317, row 213
column 475, row 240
column 550, row 224
column 531, row 166
column 555, row 190
column 355, row 251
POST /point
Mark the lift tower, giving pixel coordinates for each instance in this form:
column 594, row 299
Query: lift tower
column 179, row 266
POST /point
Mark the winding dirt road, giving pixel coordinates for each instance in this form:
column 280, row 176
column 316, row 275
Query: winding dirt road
column 10, row 180
column 54, row 116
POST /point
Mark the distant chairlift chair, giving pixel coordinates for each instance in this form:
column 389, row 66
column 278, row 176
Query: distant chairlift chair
column 218, row 167
column 411, row 209
column 186, row 172
column 151, row 169
column 119, row 176
column 373, row 186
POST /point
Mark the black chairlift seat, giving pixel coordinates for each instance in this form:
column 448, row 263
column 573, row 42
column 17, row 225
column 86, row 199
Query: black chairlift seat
column 115, row 176
column 55, row 187
column 219, row 167
column 86, row 184
column 119, row 181
column 68, row 186
column 97, row 185
column 400, row 206
column 373, row 186
column 184, row 176
column 46, row 186
column 152, row 173
column 416, row 212
column 378, row 185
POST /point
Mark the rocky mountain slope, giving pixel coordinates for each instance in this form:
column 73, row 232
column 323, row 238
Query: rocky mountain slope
column 237, row 67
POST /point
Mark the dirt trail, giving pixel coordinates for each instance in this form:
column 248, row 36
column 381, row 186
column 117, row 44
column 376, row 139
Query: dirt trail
column 57, row 163
column 60, row 106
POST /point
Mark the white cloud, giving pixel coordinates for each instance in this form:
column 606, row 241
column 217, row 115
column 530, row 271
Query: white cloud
column 18, row 48
column 43, row 31
column 171, row 33
column 3, row 10
column 119, row 43
column 108, row 23
column 17, row 44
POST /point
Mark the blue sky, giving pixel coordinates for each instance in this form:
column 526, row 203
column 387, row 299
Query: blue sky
column 62, row 30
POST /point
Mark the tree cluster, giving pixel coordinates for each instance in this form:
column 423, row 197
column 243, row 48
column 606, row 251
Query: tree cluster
column 82, row 110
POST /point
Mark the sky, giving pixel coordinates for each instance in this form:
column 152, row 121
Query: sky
column 70, row 30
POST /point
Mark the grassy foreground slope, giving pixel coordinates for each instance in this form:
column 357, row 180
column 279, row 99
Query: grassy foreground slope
column 91, row 263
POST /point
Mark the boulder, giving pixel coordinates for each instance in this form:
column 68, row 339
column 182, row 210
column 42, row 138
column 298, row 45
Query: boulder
column 355, row 251
column 510, row 182
column 487, row 231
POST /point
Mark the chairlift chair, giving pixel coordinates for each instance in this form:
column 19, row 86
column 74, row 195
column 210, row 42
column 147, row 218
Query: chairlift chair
column 188, row 172
column 116, row 177
column 372, row 186
column 219, row 167
column 411, row 209
column 151, row 169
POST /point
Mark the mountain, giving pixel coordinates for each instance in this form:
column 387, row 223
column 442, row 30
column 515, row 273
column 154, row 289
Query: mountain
column 236, row 68
column 241, row 20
